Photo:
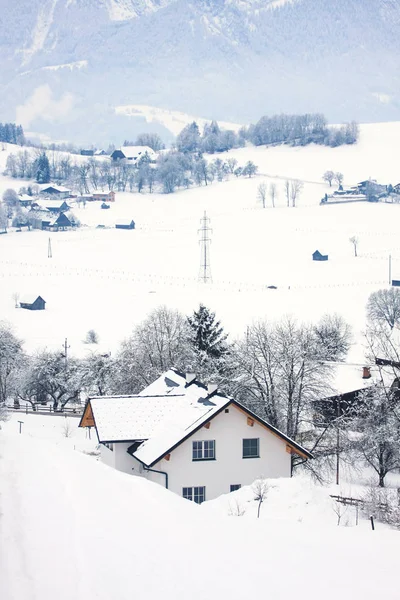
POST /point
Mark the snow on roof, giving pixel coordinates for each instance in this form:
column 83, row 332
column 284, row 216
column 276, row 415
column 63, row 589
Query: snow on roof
column 28, row 298
column 162, row 419
column 349, row 378
column 137, row 151
column 170, row 383
column 47, row 204
column 59, row 188
column 25, row 197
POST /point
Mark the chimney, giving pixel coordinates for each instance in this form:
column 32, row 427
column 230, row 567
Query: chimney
column 190, row 377
column 212, row 388
column 366, row 373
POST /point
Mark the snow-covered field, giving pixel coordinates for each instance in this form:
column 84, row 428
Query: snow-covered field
column 108, row 280
column 71, row 527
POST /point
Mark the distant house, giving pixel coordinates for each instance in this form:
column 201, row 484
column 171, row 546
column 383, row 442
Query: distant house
column 189, row 437
column 349, row 383
column 58, row 191
column 133, row 154
column 87, row 152
column 125, row 224
column 25, row 200
column 53, row 206
column 104, row 196
column 318, row 256
column 61, row 223
column 33, row 303
column 100, row 153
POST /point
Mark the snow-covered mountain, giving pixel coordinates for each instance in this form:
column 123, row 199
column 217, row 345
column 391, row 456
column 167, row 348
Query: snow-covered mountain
column 234, row 60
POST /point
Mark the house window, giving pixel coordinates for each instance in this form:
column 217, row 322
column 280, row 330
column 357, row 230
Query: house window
column 196, row 494
column 235, row 486
column 204, row 450
column 109, row 446
column 251, row 448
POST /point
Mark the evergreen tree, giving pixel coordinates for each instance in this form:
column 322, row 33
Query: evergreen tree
column 209, row 338
column 43, row 169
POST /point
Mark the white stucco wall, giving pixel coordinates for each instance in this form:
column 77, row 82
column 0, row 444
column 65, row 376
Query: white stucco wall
column 228, row 430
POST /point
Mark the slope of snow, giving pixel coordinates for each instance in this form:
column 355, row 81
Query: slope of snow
column 109, row 280
column 74, row 528
column 41, row 30
column 172, row 120
column 124, row 10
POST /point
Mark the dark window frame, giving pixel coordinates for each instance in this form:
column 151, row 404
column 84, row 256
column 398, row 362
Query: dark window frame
column 247, row 454
column 234, row 487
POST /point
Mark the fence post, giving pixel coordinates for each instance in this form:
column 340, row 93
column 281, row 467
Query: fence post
column 372, row 523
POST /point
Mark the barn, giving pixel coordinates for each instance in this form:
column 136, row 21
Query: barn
column 318, row 256
column 33, row 304
column 125, row 225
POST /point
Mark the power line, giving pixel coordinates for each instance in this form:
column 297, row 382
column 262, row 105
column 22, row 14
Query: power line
column 205, row 241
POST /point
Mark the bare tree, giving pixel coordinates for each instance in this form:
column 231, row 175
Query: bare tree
column 10, row 358
column 236, row 509
column 92, row 337
column 272, row 193
column 328, row 176
column 278, row 372
column 383, row 306
column 333, row 336
column 296, row 187
column 160, row 342
column 262, row 193
column 15, row 297
column 339, row 509
column 287, row 192
column 354, row 240
column 232, row 164
column 339, row 178
column 260, row 491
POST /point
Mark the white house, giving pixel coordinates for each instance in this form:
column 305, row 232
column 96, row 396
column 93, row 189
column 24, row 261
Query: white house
column 133, row 153
column 190, row 438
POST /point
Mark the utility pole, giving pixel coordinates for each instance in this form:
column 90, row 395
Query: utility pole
column 205, row 241
column 65, row 346
column 49, row 252
column 390, row 269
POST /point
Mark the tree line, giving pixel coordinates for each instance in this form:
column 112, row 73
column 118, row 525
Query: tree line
column 300, row 130
column 12, row 134
column 283, row 371
column 173, row 170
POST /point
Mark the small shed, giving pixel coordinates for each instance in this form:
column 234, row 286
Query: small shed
column 318, row 256
column 32, row 304
column 125, row 225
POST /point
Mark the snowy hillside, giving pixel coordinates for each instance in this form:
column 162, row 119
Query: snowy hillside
column 228, row 60
column 74, row 528
column 109, row 280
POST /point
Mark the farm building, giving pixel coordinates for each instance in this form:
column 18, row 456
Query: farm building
column 189, row 438
column 33, row 303
column 87, row 152
column 25, row 200
column 100, row 153
column 125, row 224
column 104, row 196
column 318, row 256
column 133, row 153
column 56, row 191
column 53, row 206
column 61, row 223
